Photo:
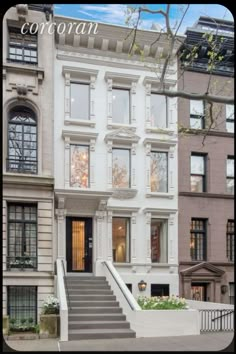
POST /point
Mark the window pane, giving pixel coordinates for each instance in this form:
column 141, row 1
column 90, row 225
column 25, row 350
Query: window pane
column 197, row 240
column 120, row 106
column 158, row 111
column 196, row 184
column 22, row 304
column 159, row 241
column 230, row 127
column 197, row 165
column 230, row 111
column 230, row 185
column 159, row 172
column 196, row 123
column 230, row 167
column 120, row 240
column 79, row 166
column 120, row 168
column 196, row 107
column 79, row 101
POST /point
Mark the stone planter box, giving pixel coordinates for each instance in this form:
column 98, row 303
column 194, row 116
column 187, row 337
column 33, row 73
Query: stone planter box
column 5, row 325
column 49, row 326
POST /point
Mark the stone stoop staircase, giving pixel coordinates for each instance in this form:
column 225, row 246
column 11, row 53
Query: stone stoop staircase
column 93, row 312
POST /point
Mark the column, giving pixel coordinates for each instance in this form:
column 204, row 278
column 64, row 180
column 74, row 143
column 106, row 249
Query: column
column 148, row 237
column 100, row 231
column 67, row 162
column 148, row 106
column 109, row 165
column 171, row 162
column 67, row 96
column 61, row 236
column 109, row 103
column 148, row 165
column 133, row 166
column 109, row 236
column 92, row 98
column 172, row 258
column 133, row 237
column 92, row 160
column 133, row 103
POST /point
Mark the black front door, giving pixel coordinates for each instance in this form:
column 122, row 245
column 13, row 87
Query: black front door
column 79, row 244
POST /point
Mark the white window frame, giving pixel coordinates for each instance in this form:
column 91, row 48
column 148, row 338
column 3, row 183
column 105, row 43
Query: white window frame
column 81, row 76
column 121, row 81
column 79, row 138
column 154, row 145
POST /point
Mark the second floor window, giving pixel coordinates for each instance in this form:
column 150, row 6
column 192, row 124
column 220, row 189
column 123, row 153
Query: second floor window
column 22, row 47
column 198, row 240
column 230, row 118
column 120, row 168
column 159, row 241
column 79, row 101
column 79, row 173
column 120, row 106
column 159, row 172
column 22, row 141
column 230, row 175
column 22, row 236
column 197, row 114
column 230, row 240
column 158, row 111
column 198, row 173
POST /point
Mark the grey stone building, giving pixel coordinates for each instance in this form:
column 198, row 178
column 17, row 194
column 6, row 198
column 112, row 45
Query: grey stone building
column 206, row 173
column 27, row 162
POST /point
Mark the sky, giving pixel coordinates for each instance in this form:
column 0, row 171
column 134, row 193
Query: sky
column 115, row 13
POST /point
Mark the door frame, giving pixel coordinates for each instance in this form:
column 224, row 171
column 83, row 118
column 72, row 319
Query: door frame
column 88, row 236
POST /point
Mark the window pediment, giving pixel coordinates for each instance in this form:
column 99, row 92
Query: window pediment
column 79, row 136
column 121, row 77
column 80, row 73
column 122, row 135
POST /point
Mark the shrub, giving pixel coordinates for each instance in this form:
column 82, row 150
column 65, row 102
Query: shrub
column 162, row 303
column 51, row 305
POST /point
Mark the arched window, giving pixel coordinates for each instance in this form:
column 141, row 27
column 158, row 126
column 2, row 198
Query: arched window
column 22, row 141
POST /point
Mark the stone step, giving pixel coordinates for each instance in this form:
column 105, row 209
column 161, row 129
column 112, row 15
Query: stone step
column 98, row 324
column 90, row 292
column 89, row 286
column 94, row 310
column 108, row 303
column 77, row 277
column 96, row 317
column 100, row 333
column 86, row 282
column 79, row 297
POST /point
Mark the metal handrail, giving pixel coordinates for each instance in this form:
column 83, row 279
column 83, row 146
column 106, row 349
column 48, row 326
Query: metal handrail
column 225, row 314
column 65, row 281
column 119, row 286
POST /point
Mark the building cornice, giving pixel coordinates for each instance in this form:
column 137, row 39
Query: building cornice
column 206, row 195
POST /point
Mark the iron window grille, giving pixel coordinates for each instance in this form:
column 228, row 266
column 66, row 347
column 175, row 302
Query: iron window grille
column 230, row 240
column 22, row 141
column 198, row 240
column 22, row 47
column 22, row 236
column 22, row 305
column 198, row 173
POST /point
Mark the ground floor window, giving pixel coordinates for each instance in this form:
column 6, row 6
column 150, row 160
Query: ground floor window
column 231, row 293
column 160, row 289
column 121, row 239
column 22, row 304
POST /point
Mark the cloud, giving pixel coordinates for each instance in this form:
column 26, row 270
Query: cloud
column 114, row 14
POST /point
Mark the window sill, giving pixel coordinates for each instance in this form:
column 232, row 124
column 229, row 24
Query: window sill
column 160, row 195
column 156, row 130
column 118, row 126
column 81, row 122
column 124, row 193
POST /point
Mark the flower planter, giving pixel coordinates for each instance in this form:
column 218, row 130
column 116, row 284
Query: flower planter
column 49, row 326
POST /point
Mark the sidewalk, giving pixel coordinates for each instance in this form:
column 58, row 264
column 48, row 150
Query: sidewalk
column 204, row 342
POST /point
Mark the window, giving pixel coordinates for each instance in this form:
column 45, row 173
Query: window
column 231, row 293
column 79, row 101
column 121, row 239
column 159, row 241
column 160, row 290
column 120, row 106
column 159, row 171
column 120, row 168
column 198, row 240
column 79, row 157
column 197, row 114
column 22, row 236
column 22, row 141
column 230, row 118
column 230, row 240
column 198, row 171
column 22, row 47
column 22, row 304
column 230, row 175
column 158, row 111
